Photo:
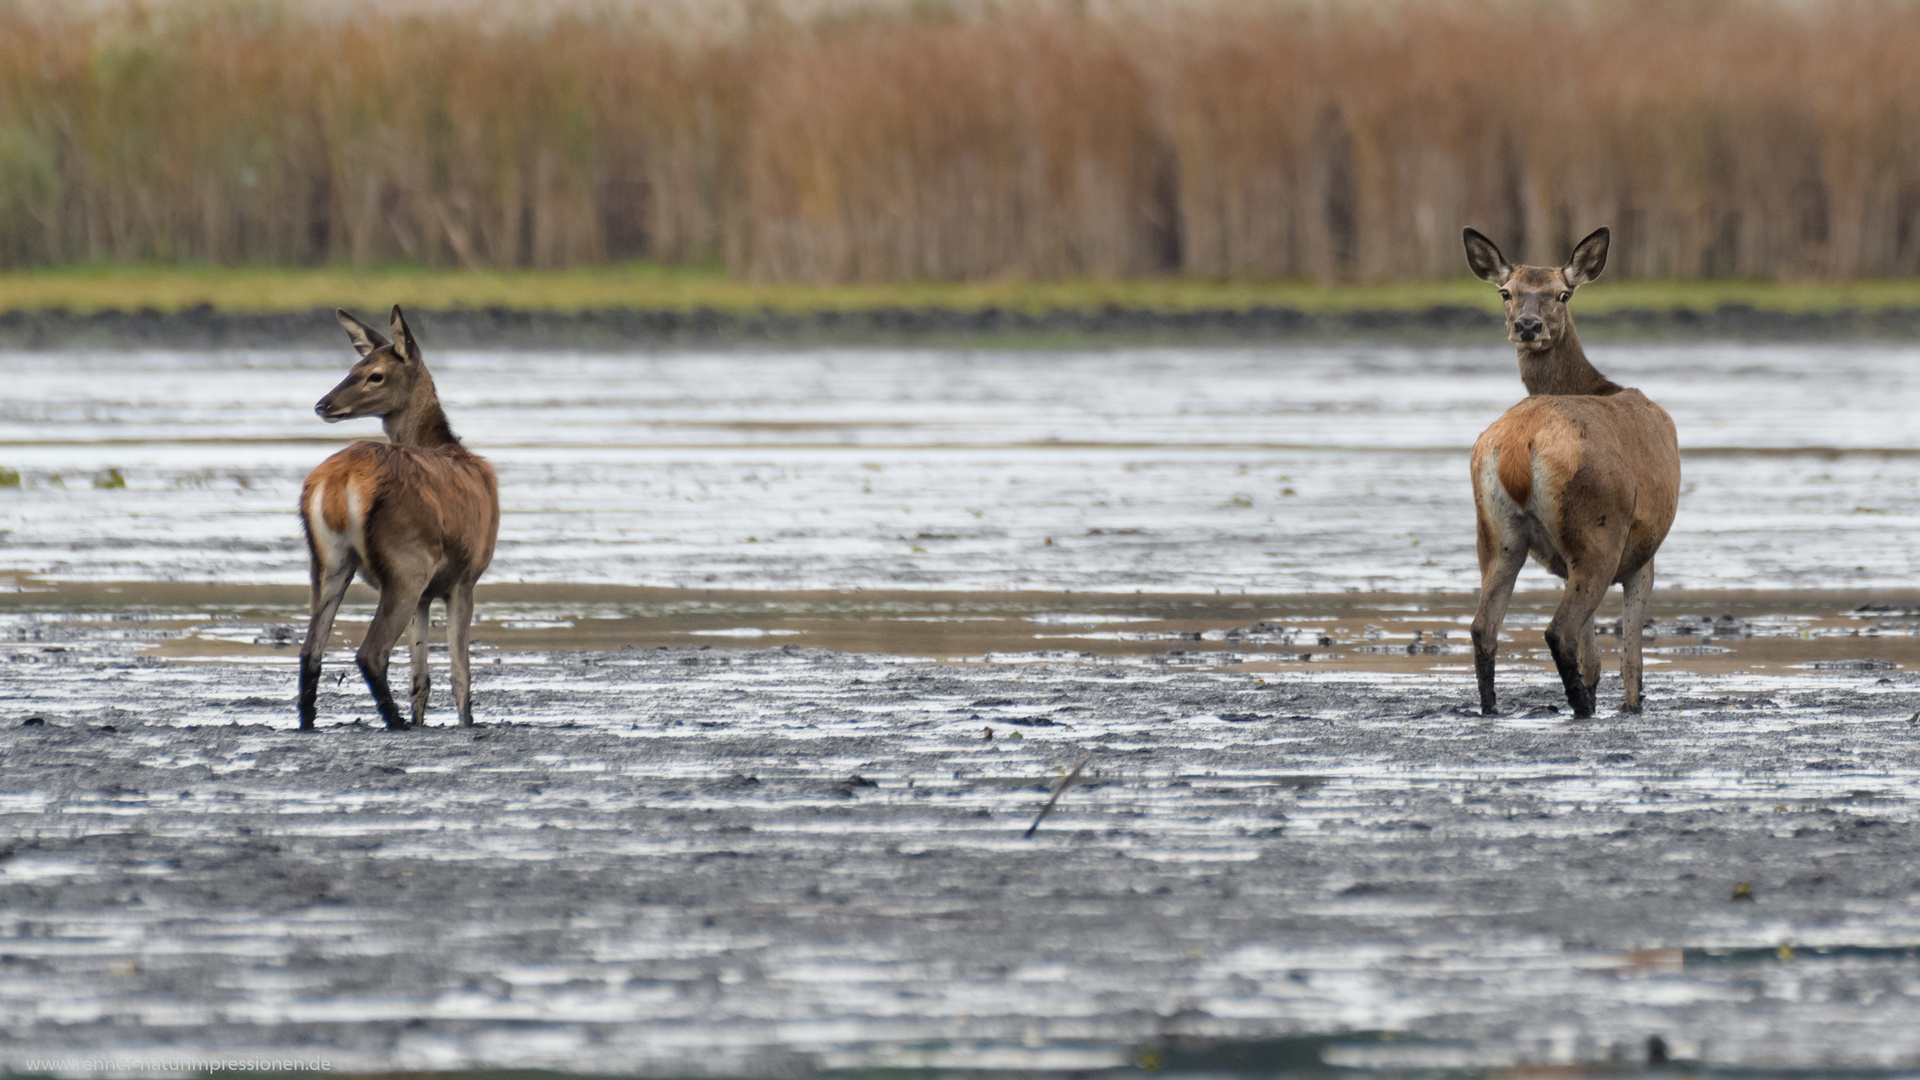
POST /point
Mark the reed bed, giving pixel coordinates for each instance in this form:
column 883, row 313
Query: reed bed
column 996, row 141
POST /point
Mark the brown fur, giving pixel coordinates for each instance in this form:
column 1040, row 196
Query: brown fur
column 1583, row 476
column 416, row 517
column 334, row 502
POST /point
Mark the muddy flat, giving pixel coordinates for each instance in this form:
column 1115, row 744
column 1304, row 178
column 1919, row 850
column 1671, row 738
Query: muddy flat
column 755, row 861
column 784, row 654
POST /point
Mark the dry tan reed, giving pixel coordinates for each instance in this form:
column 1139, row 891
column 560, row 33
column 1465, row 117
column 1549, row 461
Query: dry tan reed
column 1009, row 140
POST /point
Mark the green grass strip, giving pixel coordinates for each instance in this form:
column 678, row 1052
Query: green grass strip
column 650, row 287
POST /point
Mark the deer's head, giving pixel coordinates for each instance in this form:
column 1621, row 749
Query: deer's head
column 387, row 380
column 1536, row 296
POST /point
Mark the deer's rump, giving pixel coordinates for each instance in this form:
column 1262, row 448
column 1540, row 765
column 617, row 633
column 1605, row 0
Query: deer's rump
column 1573, row 472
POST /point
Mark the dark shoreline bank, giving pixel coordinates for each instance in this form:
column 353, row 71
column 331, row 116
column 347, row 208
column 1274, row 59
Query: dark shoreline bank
column 207, row 327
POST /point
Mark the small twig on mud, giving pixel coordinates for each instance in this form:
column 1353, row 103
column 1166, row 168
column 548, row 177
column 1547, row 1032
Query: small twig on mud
column 1065, row 783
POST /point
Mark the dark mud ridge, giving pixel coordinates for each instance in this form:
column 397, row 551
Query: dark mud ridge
column 786, row 862
column 205, row 327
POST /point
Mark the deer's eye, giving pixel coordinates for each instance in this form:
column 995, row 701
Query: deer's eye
column 375, row 377
column 1565, row 296
column 1505, row 295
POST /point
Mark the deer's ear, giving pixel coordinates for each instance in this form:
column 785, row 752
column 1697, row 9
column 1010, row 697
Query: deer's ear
column 404, row 346
column 1589, row 258
column 1484, row 258
column 365, row 338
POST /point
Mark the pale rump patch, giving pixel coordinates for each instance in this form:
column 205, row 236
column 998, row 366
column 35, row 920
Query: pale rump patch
column 357, row 514
column 1489, row 483
column 331, row 541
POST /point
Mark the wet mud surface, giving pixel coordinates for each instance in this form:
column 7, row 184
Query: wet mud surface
column 779, row 860
column 783, row 653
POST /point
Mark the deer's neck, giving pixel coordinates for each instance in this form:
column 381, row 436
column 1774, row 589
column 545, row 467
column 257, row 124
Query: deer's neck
column 1562, row 368
column 422, row 423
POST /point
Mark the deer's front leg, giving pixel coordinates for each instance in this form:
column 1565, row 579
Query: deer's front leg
column 1570, row 638
column 1639, row 590
column 459, row 620
column 417, row 654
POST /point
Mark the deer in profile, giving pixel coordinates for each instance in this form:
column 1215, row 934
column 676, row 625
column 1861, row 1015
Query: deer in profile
column 1584, row 475
column 415, row 516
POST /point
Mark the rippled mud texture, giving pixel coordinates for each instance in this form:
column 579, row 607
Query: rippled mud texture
column 712, row 861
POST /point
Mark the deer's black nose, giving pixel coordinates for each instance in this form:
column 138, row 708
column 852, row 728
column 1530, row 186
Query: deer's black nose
column 1528, row 327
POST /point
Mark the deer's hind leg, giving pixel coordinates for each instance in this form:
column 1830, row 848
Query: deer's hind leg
column 398, row 603
column 1570, row 637
column 1501, row 558
column 329, row 588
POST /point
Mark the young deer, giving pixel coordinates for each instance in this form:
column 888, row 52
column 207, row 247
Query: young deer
column 1584, row 475
column 416, row 516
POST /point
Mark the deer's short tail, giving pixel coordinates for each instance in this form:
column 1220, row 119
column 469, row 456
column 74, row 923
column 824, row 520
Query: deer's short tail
column 1516, row 469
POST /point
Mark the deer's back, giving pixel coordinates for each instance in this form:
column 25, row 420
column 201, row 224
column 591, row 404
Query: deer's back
column 380, row 499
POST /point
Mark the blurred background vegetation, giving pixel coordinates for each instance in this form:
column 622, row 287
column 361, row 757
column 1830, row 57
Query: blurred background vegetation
column 735, row 143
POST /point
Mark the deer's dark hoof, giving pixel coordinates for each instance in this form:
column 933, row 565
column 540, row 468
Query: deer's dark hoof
column 1582, row 704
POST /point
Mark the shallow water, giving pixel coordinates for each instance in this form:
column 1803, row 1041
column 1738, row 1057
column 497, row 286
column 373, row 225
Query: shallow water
column 1707, row 632
column 1269, row 470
